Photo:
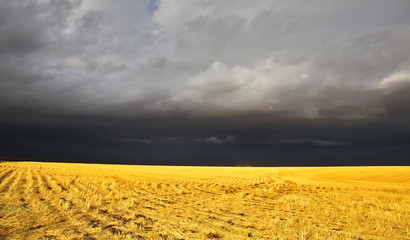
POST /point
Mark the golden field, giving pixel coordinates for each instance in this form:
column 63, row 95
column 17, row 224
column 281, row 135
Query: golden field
column 90, row 201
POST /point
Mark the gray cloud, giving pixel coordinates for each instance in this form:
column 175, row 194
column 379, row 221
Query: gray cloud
column 315, row 72
column 228, row 139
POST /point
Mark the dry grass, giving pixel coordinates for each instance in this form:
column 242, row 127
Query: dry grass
column 84, row 201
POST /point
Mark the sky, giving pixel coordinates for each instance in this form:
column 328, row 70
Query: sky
column 206, row 82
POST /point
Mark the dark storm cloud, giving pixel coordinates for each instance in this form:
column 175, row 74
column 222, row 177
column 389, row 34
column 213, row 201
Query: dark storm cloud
column 210, row 72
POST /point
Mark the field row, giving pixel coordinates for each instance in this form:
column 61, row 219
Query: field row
column 45, row 201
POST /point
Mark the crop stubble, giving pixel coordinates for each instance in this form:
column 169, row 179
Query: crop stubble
column 86, row 201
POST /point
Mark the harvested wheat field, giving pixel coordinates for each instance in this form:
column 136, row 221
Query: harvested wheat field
column 88, row 201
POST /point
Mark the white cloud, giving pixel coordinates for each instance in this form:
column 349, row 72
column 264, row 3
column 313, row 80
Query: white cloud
column 395, row 79
column 234, row 90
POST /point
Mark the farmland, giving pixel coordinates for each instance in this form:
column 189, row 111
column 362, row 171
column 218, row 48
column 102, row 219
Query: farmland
column 90, row 201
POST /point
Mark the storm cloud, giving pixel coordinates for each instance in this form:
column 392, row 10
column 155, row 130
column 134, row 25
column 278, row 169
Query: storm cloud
column 276, row 73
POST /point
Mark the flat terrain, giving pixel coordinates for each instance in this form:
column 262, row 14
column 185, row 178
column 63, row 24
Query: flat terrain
column 86, row 201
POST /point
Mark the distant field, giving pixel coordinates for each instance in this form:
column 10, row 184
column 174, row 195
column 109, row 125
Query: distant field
column 88, row 201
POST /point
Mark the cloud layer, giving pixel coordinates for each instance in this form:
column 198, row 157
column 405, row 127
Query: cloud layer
column 275, row 72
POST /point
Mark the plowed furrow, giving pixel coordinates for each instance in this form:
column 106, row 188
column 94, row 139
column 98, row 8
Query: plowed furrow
column 57, row 187
column 86, row 189
column 5, row 184
column 23, row 190
column 202, row 215
column 75, row 188
column 41, row 195
column 36, row 187
column 4, row 175
column 2, row 172
column 64, row 196
column 231, row 220
column 29, row 187
column 204, row 191
column 157, row 200
column 45, row 183
column 17, row 184
column 105, row 219
column 57, row 181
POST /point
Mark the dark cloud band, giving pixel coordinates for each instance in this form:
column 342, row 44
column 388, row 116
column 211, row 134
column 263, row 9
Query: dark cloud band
column 216, row 73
